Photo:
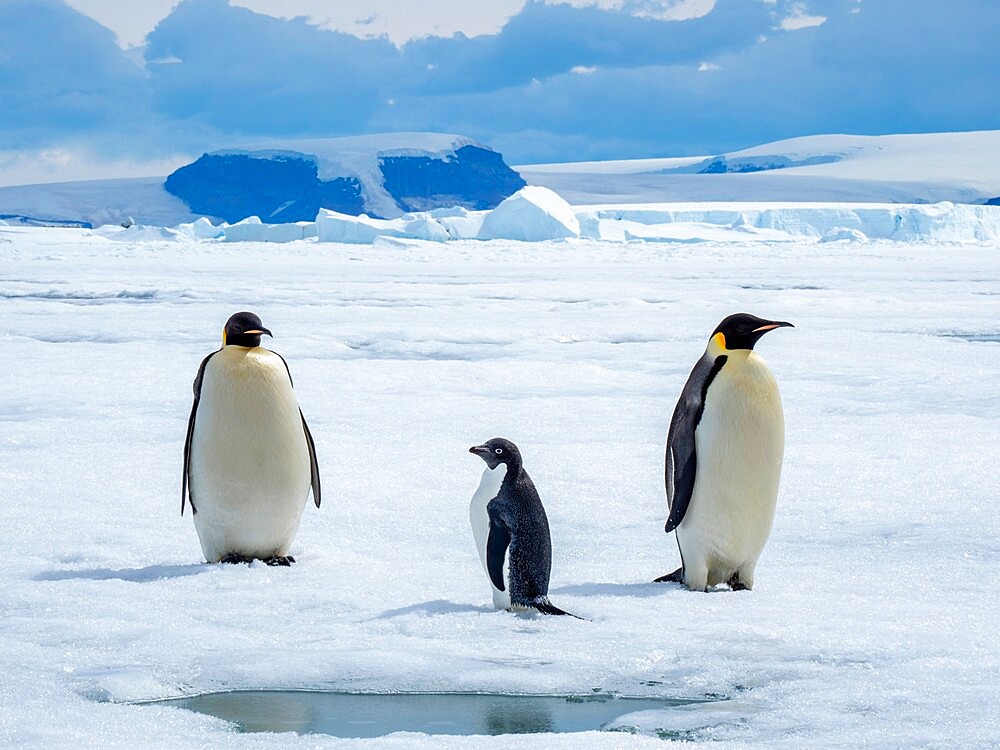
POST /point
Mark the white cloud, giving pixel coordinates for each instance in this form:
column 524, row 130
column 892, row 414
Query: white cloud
column 800, row 19
column 669, row 10
column 706, row 66
column 398, row 20
column 131, row 20
column 583, row 70
column 663, row 10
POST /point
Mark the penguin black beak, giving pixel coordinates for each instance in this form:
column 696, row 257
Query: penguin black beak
column 479, row 450
column 259, row 332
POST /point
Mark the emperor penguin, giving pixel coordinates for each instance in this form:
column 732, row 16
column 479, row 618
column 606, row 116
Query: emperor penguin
column 512, row 531
column 723, row 459
column 249, row 459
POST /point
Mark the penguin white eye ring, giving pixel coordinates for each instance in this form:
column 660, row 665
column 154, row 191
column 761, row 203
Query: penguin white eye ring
column 498, row 451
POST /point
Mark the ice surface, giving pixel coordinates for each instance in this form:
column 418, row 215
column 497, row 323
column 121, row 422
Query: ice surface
column 875, row 617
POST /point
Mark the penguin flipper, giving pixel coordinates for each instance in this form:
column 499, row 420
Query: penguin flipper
column 185, row 480
column 313, row 463
column 496, row 552
column 682, row 460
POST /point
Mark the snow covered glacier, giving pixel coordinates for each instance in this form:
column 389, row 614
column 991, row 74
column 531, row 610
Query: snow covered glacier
column 381, row 175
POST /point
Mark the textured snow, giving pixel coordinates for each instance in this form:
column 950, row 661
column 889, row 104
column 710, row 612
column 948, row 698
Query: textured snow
column 875, row 617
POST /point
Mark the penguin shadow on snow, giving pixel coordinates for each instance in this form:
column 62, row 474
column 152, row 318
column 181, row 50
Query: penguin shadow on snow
column 630, row 590
column 149, row 574
column 434, row 607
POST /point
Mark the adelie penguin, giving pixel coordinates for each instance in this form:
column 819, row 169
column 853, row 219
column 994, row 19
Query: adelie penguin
column 723, row 459
column 249, row 460
column 512, row 531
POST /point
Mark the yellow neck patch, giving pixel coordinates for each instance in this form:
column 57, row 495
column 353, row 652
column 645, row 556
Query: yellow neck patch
column 223, row 336
column 719, row 340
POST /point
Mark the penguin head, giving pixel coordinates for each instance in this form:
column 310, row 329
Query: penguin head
column 742, row 331
column 498, row 451
column 243, row 329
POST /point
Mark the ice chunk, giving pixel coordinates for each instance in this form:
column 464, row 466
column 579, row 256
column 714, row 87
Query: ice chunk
column 253, row 229
column 839, row 234
column 531, row 214
column 201, row 229
column 332, row 226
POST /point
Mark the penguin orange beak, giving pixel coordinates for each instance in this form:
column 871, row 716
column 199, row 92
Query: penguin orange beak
column 772, row 326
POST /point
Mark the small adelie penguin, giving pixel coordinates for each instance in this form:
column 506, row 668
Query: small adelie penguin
column 249, row 460
column 511, row 531
column 723, row 462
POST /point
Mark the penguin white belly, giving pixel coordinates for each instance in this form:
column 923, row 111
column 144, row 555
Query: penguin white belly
column 739, row 443
column 489, row 487
column 250, row 472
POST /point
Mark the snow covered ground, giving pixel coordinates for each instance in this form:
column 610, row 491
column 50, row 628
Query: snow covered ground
column 875, row 618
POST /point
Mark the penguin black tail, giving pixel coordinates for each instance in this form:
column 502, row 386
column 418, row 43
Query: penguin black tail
column 543, row 605
column 676, row 577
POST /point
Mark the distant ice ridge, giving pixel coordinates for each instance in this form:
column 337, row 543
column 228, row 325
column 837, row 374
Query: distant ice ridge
column 537, row 214
column 793, row 221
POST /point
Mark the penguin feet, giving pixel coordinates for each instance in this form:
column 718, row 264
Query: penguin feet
column 233, row 558
column 676, row 577
column 736, row 584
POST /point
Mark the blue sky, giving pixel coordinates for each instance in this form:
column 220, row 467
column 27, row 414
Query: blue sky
column 538, row 80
